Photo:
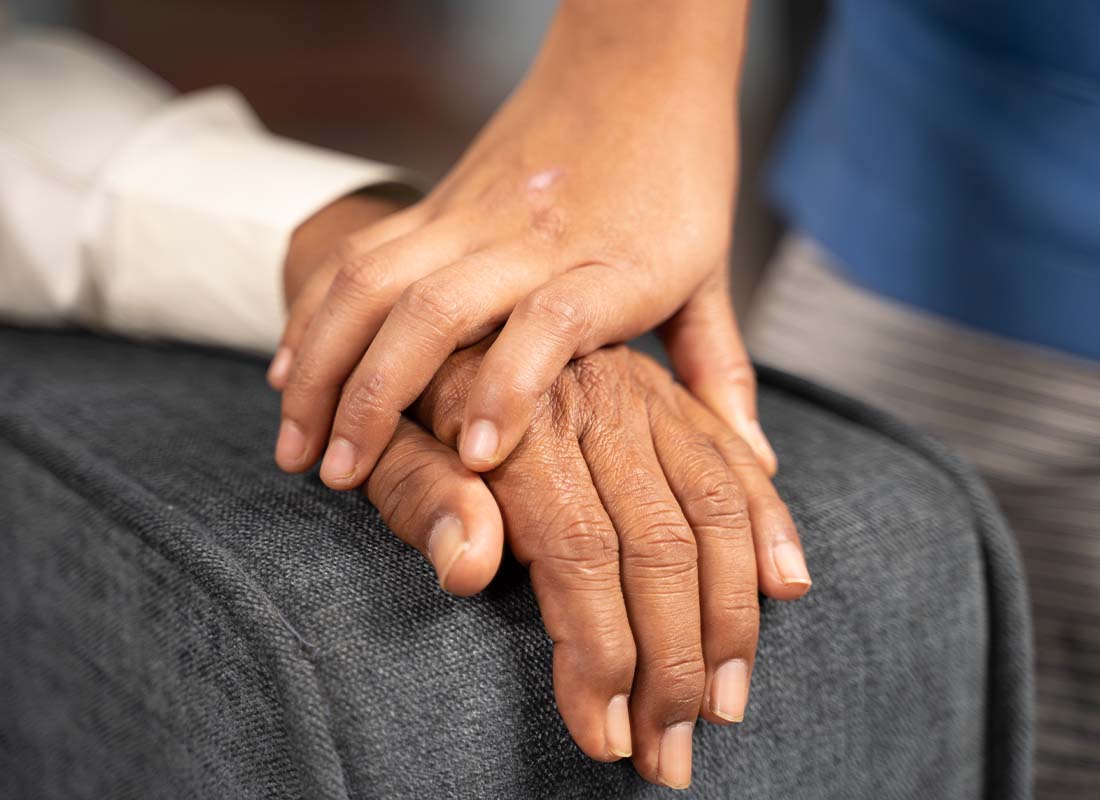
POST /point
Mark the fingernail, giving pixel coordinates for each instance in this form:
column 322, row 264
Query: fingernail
column 481, row 441
column 674, row 757
column 729, row 690
column 279, row 370
column 290, row 449
column 790, row 564
column 618, row 726
column 341, row 461
column 756, row 439
column 447, row 543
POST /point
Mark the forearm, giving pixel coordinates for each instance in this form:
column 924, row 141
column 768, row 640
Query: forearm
column 681, row 40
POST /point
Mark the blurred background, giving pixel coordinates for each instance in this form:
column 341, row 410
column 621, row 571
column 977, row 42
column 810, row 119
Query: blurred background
column 412, row 81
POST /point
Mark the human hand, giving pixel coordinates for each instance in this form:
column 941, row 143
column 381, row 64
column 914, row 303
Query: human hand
column 594, row 206
column 644, row 523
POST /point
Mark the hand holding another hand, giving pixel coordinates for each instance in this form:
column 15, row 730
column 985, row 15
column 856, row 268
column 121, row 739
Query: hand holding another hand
column 595, row 206
column 587, row 212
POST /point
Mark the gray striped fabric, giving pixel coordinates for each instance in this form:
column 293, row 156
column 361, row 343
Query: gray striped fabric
column 1029, row 419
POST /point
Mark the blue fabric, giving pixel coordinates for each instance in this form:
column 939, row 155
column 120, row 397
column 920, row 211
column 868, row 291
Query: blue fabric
column 947, row 153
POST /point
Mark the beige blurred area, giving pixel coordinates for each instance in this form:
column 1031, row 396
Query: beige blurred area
column 412, row 81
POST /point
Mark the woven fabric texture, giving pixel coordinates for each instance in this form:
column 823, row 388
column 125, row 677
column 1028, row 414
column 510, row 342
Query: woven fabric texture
column 180, row 620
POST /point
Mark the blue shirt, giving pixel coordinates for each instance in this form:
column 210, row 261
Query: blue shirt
column 947, row 152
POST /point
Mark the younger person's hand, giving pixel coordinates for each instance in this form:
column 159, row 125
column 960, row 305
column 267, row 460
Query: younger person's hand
column 595, row 206
column 647, row 526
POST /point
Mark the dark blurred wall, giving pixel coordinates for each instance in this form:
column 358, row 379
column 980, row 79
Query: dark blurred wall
column 359, row 76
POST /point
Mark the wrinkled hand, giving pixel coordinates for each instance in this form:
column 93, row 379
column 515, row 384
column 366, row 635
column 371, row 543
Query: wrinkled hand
column 644, row 523
column 636, row 511
column 596, row 205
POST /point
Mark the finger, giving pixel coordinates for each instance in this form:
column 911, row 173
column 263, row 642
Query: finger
column 361, row 294
column 780, row 562
column 307, row 297
column 439, row 507
column 570, row 316
column 434, row 316
column 661, row 587
column 302, row 310
column 714, row 504
column 706, row 351
column 556, row 524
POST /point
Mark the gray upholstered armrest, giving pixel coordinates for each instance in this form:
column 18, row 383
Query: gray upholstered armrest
column 179, row 619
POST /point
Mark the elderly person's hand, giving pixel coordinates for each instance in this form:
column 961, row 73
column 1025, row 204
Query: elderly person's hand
column 645, row 523
column 596, row 205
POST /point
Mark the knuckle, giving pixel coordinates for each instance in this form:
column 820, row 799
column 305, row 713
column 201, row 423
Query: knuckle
column 740, row 602
column 583, row 545
column 443, row 402
column 647, row 372
column 404, row 483
column 365, row 399
column 662, row 538
column 600, row 391
column 563, row 314
column 604, row 650
column 681, row 674
column 305, row 382
column 431, row 304
column 614, row 655
column 604, row 370
column 359, row 273
column 450, row 401
column 735, row 612
column 669, row 540
column 596, row 385
column 715, row 497
column 666, row 549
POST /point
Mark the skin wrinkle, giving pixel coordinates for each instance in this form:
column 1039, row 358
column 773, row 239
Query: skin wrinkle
column 737, row 600
column 578, row 170
column 594, row 581
column 714, row 493
column 717, row 491
column 369, row 399
column 659, row 569
column 573, row 539
column 583, row 428
column 398, row 508
column 665, row 535
column 764, row 513
column 666, row 220
column 429, row 491
column 432, row 305
column 619, row 659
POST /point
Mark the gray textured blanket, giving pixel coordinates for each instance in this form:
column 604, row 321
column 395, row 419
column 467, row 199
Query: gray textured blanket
column 180, row 620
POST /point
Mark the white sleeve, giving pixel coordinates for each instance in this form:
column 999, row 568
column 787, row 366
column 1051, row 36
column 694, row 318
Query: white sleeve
column 124, row 206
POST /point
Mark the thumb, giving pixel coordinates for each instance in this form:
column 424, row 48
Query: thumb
column 707, row 354
column 435, row 504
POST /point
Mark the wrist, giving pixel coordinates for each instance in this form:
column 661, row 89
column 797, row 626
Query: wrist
column 686, row 40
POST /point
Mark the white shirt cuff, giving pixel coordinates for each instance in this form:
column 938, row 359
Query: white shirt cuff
column 189, row 226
